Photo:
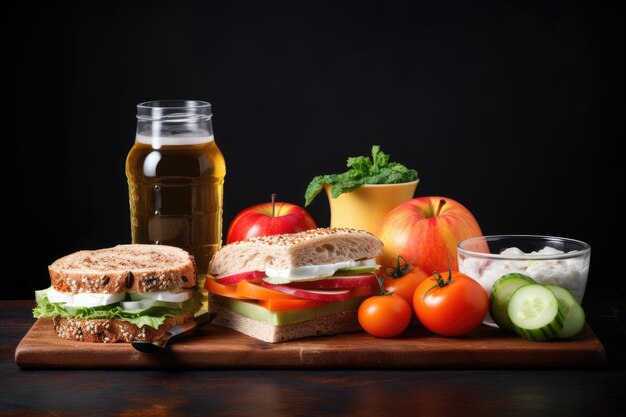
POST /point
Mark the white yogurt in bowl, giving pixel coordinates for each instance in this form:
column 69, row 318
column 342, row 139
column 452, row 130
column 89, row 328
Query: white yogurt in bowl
column 545, row 259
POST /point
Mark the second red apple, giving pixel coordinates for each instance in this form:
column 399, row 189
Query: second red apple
column 425, row 231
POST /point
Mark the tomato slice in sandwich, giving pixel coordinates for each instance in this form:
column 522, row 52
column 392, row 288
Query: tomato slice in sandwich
column 281, row 305
column 254, row 276
column 246, row 289
column 336, row 282
column 319, row 295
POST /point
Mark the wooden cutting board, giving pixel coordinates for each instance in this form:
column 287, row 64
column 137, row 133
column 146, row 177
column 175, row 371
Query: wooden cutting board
column 216, row 347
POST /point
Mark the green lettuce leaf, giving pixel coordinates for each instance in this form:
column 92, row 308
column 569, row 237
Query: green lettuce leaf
column 153, row 316
column 363, row 170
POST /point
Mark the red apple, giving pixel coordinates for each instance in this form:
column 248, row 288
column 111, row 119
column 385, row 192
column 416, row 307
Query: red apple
column 426, row 231
column 269, row 219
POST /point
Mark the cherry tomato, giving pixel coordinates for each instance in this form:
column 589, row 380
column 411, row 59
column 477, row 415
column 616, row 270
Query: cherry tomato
column 384, row 315
column 402, row 279
column 450, row 306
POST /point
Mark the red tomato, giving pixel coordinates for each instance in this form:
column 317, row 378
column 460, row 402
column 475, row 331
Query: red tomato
column 450, row 306
column 384, row 315
column 402, row 279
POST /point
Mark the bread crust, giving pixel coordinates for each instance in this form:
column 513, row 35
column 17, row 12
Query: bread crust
column 311, row 247
column 111, row 330
column 139, row 268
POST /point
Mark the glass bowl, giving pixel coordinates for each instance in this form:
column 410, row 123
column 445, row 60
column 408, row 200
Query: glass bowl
column 546, row 259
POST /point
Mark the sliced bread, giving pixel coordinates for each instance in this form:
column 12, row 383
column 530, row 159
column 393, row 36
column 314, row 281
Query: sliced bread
column 311, row 247
column 345, row 322
column 111, row 330
column 140, row 268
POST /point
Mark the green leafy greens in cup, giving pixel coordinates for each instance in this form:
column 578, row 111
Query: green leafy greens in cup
column 363, row 170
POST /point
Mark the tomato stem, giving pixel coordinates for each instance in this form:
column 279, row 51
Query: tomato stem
column 273, row 205
column 440, row 280
column 379, row 279
column 399, row 271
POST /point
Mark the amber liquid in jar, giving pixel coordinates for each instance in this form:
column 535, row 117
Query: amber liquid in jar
column 175, row 190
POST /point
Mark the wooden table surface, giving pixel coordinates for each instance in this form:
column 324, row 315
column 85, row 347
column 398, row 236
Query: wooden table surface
column 313, row 392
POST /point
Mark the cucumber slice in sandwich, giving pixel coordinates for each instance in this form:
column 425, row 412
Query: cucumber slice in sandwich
column 534, row 313
column 572, row 312
column 358, row 270
column 501, row 293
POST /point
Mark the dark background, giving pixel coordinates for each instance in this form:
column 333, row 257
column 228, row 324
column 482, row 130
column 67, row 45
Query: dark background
column 507, row 107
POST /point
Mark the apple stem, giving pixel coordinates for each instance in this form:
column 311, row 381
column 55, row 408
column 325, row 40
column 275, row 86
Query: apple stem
column 273, row 205
column 442, row 202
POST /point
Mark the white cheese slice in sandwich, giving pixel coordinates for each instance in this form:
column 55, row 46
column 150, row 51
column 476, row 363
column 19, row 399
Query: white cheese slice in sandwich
column 83, row 299
column 304, row 273
column 87, row 299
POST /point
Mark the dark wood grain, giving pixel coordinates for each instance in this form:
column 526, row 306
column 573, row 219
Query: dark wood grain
column 227, row 392
column 216, row 347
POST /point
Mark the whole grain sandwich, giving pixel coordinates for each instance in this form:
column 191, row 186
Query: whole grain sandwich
column 121, row 294
column 284, row 287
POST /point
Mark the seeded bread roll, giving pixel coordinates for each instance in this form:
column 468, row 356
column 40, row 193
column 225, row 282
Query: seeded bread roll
column 140, row 268
column 111, row 331
column 311, row 247
column 345, row 322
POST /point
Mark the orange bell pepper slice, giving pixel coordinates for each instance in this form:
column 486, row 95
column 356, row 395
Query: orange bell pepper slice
column 270, row 299
column 220, row 289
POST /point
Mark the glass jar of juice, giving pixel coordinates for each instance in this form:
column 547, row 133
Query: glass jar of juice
column 175, row 177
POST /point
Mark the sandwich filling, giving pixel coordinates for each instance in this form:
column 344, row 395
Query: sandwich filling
column 316, row 271
column 89, row 299
column 141, row 309
column 290, row 286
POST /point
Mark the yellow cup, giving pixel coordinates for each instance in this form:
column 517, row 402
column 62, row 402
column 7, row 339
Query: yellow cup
column 365, row 207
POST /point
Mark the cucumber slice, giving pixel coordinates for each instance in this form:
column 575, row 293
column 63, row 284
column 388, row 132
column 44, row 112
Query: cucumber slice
column 256, row 312
column 357, row 270
column 283, row 280
column 166, row 296
column 534, row 313
column 137, row 305
column 572, row 312
column 501, row 293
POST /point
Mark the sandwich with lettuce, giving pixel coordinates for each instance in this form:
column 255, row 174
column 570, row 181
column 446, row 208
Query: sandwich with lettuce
column 122, row 294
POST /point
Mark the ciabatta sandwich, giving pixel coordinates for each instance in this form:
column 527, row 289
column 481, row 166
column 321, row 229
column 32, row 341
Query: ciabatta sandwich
column 285, row 287
column 120, row 294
